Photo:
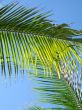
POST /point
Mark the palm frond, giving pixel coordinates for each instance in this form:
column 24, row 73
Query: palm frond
column 58, row 93
column 16, row 18
column 26, row 35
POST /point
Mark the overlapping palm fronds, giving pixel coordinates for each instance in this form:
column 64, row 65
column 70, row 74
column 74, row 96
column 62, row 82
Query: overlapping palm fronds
column 26, row 35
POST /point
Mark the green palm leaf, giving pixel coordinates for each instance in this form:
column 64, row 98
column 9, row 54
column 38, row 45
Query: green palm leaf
column 26, row 35
column 58, row 93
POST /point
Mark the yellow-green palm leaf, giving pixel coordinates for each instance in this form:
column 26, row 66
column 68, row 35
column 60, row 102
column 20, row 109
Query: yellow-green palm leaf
column 26, row 36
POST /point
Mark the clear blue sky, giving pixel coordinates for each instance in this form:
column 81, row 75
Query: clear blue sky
column 16, row 95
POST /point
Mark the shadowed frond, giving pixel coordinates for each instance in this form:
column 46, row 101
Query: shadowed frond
column 57, row 93
column 26, row 36
column 15, row 18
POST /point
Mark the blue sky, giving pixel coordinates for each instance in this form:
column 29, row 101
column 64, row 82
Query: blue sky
column 16, row 94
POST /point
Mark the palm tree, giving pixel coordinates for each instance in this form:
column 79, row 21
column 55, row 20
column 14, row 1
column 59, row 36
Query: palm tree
column 30, row 40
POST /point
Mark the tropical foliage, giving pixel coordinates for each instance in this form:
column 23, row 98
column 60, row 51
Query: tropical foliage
column 26, row 36
column 57, row 93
